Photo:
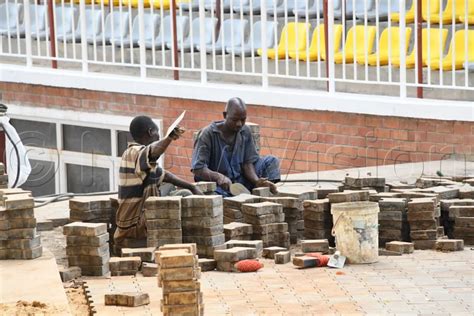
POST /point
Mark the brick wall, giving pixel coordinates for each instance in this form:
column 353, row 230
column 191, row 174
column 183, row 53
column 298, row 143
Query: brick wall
column 304, row 140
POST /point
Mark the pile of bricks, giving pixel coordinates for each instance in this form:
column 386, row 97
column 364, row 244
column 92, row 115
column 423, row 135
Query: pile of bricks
column 365, row 183
column 18, row 236
column 3, row 177
column 317, row 219
column 233, row 207
column 238, row 231
column 124, row 265
column 208, row 188
column 87, row 247
column 147, row 258
column 268, row 222
column 449, row 210
column 163, row 220
column 91, row 209
column 293, row 210
column 393, row 224
column 178, row 276
column 422, row 217
column 202, row 222
column 463, row 223
column 227, row 258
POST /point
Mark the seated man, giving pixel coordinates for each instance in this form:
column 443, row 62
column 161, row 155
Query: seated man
column 225, row 152
column 140, row 177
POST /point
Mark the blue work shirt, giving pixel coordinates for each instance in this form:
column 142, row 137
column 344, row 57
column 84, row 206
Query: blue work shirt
column 211, row 151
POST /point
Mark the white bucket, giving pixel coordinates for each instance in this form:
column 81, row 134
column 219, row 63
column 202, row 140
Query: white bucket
column 357, row 230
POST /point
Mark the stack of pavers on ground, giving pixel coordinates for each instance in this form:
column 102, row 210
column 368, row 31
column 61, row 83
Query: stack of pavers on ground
column 317, row 220
column 3, row 177
column 227, row 258
column 18, row 236
column 393, row 223
column 120, row 266
column 233, row 207
column 178, row 276
column 293, row 210
column 365, row 183
column 423, row 219
column 463, row 217
column 202, row 223
column 238, row 231
column 147, row 258
column 87, row 247
column 268, row 222
column 208, row 188
column 163, row 220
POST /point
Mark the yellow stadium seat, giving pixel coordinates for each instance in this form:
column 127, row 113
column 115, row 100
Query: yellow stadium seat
column 469, row 19
column 355, row 41
column 446, row 16
column 436, row 47
column 392, row 35
column 115, row 3
column 410, row 14
column 292, row 38
column 318, row 44
column 457, row 51
column 157, row 4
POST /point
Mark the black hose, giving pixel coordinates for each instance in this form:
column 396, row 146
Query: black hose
column 17, row 156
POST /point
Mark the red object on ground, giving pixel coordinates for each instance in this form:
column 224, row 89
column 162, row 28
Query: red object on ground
column 322, row 259
column 340, row 273
column 248, row 265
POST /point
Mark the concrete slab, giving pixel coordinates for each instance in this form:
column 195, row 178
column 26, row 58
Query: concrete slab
column 33, row 280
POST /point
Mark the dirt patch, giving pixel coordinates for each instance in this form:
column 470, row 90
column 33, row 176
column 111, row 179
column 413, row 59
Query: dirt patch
column 30, row 308
column 77, row 300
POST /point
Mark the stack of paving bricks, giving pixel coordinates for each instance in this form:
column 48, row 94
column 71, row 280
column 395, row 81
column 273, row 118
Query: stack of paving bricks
column 393, row 224
column 18, row 236
column 91, row 210
column 365, row 183
column 3, row 177
column 293, row 210
column 268, row 222
column 463, row 223
column 178, row 276
column 124, row 265
column 87, row 247
column 233, row 207
column 238, row 231
column 208, row 188
column 163, row 220
column 202, row 222
column 422, row 215
column 227, row 258
column 147, row 257
column 317, row 220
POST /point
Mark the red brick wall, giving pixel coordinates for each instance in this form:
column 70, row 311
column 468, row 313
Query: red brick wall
column 304, row 140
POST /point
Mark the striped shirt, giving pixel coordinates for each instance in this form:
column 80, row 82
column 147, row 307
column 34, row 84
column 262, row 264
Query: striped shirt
column 139, row 178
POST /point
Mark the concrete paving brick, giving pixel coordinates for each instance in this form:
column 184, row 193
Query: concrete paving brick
column 261, row 209
column 237, row 201
column 21, row 233
column 22, row 223
column 235, row 254
column 204, row 212
column 177, row 260
column 206, row 186
column 424, row 244
column 416, row 205
column 87, row 250
column 103, row 214
column 189, row 247
column 270, row 252
column 124, row 263
column 207, row 264
column 178, row 274
column 450, row 245
column 446, row 204
column 286, row 202
column 18, row 202
column 315, row 245
column 89, row 203
column 44, row 225
column 400, row 246
column 157, row 241
column 257, row 244
column 272, row 228
column 204, row 231
column 163, row 203
column 202, row 221
column 127, row 299
column 84, row 229
column 259, row 220
column 348, row 196
column 21, row 213
column 423, row 234
column 305, row 262
column 282, row 257
column 395, row 225
column 237, row 229
column 24, row 244
column 88, row 260
column 467, row 222
column 145, row 254
column 466, row 192
column 463, row 231
column 155, row 224
column 423, row 225
column 263, row 192
column 420, row 216
column 191, row 310
column 364, row 182
column 200, row 201
column 25, row 254
column 149, row 269
column 208, row 251
column 181, row 286
column 183, row 298
column 205, row 240
column 70, row 273
column 171, row 214
column 461, row 211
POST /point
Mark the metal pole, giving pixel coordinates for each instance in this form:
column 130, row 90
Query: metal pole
column 326, row 35
column 419, row 35
column 264, row 45
column 175, row 41
column 403, row 51
column 27, row 21
column 218, row 16
column 84, row 54
column 52, row 35
column 202, row 42
column 141, row 40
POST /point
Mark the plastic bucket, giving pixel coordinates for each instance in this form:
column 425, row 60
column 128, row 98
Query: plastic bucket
column 356, row 230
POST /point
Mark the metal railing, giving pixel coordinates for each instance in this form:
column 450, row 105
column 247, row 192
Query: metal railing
column 400, row 47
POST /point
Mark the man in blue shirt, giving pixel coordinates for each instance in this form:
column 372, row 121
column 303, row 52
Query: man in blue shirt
column 225, row 152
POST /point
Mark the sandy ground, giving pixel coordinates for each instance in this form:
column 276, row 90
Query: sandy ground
column 77, row 300
column 30, row 308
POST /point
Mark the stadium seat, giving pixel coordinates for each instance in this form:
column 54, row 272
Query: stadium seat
column 115, row 3
column 210, row 5
column 292, row 38
column 195, row 39
column 150, row 23
column 469, row 19
column 231, row 34
column 254, row 42
column 116, row 27
column 382, row 10
column 37, row 20
column 467, row 16
column 93, row 27
column 428, row 6
column 157, row 4
column 317, row 9
column 256, row 7
column 354, row 48
column 389, row 46
column 188, row 5
column 317, row 49
column 469, row 66
column 166, row 36
column 10, row 17
column 64, row 17
column 446, row 16
column 289, row 7
column 435, row 46
column 351, row 10
column 457, row 52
